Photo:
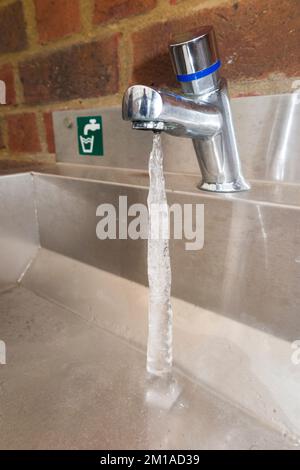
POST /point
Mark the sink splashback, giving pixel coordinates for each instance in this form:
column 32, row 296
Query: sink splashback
column 266, row 128
column 248, row 270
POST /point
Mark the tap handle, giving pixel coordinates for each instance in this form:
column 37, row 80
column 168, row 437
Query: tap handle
column 196, row 57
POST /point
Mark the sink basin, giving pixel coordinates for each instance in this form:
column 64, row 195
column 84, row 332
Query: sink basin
column 73, row 312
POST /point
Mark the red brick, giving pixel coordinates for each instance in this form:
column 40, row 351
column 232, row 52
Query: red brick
column 7, row 75
column 48, row 123
column 113, row 10
column 23, row 133
column 80, row 71
column 12, row 27
column 2, row 145
column 255, row 39
column 56, row 18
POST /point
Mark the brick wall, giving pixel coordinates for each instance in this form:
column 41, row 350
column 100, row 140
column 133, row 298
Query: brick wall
column 63, row 54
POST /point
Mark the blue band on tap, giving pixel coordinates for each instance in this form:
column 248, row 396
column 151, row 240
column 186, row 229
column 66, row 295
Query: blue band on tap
column 202, row 73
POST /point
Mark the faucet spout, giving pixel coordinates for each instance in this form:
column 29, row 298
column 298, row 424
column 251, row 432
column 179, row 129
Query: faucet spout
column 152, row 109
column 202, row 114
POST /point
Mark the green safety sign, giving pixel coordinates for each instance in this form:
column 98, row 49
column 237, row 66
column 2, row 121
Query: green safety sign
column 90, row 135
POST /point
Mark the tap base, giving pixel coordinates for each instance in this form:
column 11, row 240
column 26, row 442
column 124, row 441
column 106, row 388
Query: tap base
column 234, row 186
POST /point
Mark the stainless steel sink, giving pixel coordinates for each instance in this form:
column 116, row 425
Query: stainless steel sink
column 73, row 313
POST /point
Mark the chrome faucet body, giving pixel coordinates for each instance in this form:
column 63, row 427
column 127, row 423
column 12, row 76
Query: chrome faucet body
column 203, row 113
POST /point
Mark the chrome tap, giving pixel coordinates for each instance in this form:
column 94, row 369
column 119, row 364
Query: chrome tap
column 203, row 113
